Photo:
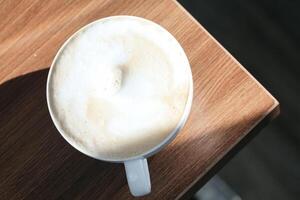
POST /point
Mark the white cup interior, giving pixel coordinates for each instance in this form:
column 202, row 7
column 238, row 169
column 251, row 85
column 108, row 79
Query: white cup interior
column 148, row 153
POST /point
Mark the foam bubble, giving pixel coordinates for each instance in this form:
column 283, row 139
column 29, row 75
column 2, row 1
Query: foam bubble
column 119, row 87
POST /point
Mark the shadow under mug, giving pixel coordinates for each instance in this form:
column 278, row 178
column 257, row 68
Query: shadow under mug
column 136, row 167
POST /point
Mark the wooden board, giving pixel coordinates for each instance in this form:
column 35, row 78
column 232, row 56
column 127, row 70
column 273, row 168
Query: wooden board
column 36, row 162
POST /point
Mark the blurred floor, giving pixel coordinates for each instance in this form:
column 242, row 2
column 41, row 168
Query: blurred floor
column 216, row 189
column 265, row 37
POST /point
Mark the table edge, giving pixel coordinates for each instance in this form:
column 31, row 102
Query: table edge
column 248, row 135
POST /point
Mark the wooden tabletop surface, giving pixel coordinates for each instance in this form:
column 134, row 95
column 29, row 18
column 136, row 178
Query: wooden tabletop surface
column 36, row 162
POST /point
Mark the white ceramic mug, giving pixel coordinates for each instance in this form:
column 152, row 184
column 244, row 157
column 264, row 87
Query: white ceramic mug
column 136, row 167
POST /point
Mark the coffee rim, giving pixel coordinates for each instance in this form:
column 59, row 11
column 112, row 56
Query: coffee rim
column 160, row 145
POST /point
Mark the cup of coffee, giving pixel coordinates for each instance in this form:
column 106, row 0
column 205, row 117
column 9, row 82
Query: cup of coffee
column 119, row 90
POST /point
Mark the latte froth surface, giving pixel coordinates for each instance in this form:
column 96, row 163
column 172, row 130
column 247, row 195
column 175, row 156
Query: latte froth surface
column 119, row 87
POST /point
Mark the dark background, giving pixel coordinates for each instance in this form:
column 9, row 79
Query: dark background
column 264, row 35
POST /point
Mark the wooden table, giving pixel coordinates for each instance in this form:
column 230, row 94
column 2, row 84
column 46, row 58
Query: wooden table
column 36, row 162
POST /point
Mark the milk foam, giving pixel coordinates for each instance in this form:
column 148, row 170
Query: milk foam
column 119, row 87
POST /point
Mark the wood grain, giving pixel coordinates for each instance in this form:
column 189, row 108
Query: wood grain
column 36, row 162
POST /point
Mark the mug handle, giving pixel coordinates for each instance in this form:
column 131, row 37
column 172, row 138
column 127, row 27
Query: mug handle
column 138, row 177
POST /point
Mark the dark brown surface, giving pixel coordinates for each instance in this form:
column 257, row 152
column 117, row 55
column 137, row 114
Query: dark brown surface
column 36, row 163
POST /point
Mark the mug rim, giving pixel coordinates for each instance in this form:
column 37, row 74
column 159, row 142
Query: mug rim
column 157, row 147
